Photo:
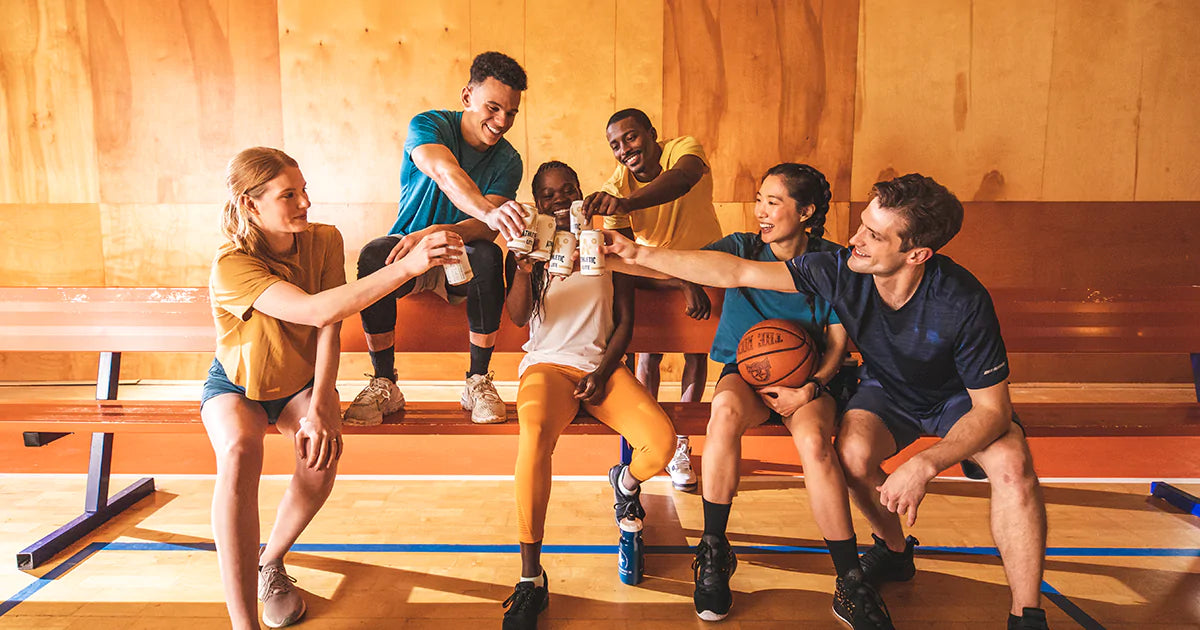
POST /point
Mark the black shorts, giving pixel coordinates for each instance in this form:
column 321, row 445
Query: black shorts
column 904, row 425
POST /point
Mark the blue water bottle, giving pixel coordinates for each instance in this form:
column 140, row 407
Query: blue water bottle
column 631, row 551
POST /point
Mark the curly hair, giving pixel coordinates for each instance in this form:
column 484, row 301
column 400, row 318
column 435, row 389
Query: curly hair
column 500, row 67
column 637, row 115
column 932, row 214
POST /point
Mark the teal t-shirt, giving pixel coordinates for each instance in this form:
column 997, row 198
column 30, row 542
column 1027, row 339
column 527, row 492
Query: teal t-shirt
column 496, row 171
column 745, row 307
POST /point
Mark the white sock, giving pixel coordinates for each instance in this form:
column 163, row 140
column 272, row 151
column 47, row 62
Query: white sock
column 621, row 482
column 540, row 580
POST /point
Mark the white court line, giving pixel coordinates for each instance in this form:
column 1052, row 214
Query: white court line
column 604, row 478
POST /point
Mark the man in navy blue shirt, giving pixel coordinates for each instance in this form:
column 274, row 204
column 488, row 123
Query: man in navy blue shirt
column 933, row 363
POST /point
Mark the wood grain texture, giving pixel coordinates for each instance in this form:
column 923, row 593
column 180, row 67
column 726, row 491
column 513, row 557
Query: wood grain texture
column 157, row 245
column 48, row 149
column 355, row 74
column 500, row 25
column 181, row 89
column 639, row 56
column 786, row 65
column 51, row 244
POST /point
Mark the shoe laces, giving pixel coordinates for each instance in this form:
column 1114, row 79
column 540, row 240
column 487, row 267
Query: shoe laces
column 275, row 582
column 375, row 392
column 481, row 386
column 862, row 600
column 682, row 460
column 707, row 565
column 520, row 600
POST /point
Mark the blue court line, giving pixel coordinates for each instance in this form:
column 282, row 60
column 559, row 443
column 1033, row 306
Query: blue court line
column 50, row 576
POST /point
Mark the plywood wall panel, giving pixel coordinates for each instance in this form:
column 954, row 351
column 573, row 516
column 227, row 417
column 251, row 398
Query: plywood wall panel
column 354, row 74
column 1168, row 148
column 639, row 56
column 159, row 245
column 170, row 108
column 51, row 244
column 359, row 224
column 575, row 92
column 500, row 25
column 786, row 65
column 48, row 150
column 1091, row 136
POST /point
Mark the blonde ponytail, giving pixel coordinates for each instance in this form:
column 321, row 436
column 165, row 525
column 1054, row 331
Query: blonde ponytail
column 246, row 177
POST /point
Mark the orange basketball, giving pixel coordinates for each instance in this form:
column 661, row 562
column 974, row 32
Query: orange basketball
column 776, row 352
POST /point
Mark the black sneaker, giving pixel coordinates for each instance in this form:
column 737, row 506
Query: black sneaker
column 525, row 604
column 626, row 504
column 714, row 564
column 881, row 565
column 971, row 470
column 1030, row 619
column 859, row 605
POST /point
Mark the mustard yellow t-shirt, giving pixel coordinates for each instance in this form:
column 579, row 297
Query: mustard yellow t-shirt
column 271, row 358
column 689, row 222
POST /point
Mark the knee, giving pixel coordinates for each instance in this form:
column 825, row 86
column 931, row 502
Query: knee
column 536, row 442
column 484, row 256
column 239, row 452
column 855, row 456
column 1011, row 469
column 660, row 451
column 374, row 255
column 815, row 449
column 724, row 425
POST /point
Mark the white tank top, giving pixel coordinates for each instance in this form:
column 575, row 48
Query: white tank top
column 575, row 324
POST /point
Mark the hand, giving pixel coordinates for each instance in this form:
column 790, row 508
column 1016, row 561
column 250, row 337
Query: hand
column 438, row 248
column 507, row 218
column 905, row 488
column 698, row 304
column 785, row 401
column 591, row 388
column 524, row 263
column 407, row 242
column 618, row 245
column 604, row 204
column 319, row 439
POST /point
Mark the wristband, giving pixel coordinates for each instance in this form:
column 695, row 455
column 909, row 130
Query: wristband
column 820, row 388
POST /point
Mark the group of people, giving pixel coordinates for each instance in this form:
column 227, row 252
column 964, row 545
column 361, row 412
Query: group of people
column 934, row 361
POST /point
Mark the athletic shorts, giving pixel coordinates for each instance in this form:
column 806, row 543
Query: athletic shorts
column 218, row 383
column 905, row 426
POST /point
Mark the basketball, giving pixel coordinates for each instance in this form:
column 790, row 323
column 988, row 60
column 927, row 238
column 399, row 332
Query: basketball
column 776, row 352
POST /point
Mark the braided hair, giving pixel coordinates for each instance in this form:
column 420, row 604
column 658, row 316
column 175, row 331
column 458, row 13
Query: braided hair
column 538, row 278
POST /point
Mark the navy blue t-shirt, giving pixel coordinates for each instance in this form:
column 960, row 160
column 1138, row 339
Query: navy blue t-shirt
column 496, row 171
column 744, row 307
column 944, row 339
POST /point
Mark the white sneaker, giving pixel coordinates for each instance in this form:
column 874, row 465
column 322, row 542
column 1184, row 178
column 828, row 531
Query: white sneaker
column 380, row 398
column 480, row 398
column 680, row 468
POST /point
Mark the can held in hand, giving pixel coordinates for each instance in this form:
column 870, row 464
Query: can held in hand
column 562, row 261
column 631, row 552
column 578, row 219
column 544, row 244
column 591, row 261
column 525, row 243
column 459, row 272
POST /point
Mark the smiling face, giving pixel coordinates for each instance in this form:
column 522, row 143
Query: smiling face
column 876, row 244
column 489, row 111
column 555, row 191
column 779, row 218
column 282, row 208
column 636, row 147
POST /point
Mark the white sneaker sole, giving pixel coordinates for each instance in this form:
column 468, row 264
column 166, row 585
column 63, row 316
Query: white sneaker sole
column 708, row 615
column 685, row 487
column 280, row 624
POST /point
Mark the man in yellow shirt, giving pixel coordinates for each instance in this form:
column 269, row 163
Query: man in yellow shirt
column 662, row 195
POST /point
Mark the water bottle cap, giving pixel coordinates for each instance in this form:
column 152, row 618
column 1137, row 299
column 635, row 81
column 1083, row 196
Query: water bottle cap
column 630, row 524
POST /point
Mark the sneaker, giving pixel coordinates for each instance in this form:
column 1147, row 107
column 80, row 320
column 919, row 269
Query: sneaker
column 714, row 564
column 525, row 604
column 881, row 565
column 282, row 605
column 626, row 505
column 380, row 398
column 971, row 470
column 480, row 398
column 680, row 468
column 1030, row 619
column 859, row 605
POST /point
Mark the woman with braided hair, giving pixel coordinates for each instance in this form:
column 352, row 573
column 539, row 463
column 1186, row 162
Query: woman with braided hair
column 791, row 206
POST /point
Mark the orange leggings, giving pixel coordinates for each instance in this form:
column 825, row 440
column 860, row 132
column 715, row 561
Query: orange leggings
column 546, row 404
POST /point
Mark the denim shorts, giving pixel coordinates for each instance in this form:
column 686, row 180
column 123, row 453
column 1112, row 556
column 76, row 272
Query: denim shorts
column 905, row 426
column 218, row 383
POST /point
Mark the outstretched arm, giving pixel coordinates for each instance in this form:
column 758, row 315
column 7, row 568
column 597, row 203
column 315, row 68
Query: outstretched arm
column 709, row 268
column 670, row 185
column 439, row 164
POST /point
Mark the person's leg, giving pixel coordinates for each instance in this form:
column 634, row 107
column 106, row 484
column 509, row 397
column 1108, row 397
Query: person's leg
column 235, row 427
column 647, row 371
column 630, row 410
column 307, row 491
column 1018, row 515
column 812, row 428
column 485, row 300
column 694, row 377
column 735, row 409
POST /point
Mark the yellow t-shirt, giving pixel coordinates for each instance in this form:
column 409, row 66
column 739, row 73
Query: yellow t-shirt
column 689, row 222
column 269, row 357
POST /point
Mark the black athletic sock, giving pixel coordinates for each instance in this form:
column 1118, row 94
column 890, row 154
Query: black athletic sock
column 716, row 517
column 844, row 554
column 384, row 362
column 480, row 359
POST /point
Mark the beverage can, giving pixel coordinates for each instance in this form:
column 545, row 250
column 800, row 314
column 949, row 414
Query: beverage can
column 631, row 551
column 459, row 272
column 591, row 261
column 525, row 243
column 578, row 220
column 544, row 244
column 561, row 257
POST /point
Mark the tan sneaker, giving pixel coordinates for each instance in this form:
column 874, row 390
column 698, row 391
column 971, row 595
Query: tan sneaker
column 282, row 605
column 480, row 398
column 380, row 398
